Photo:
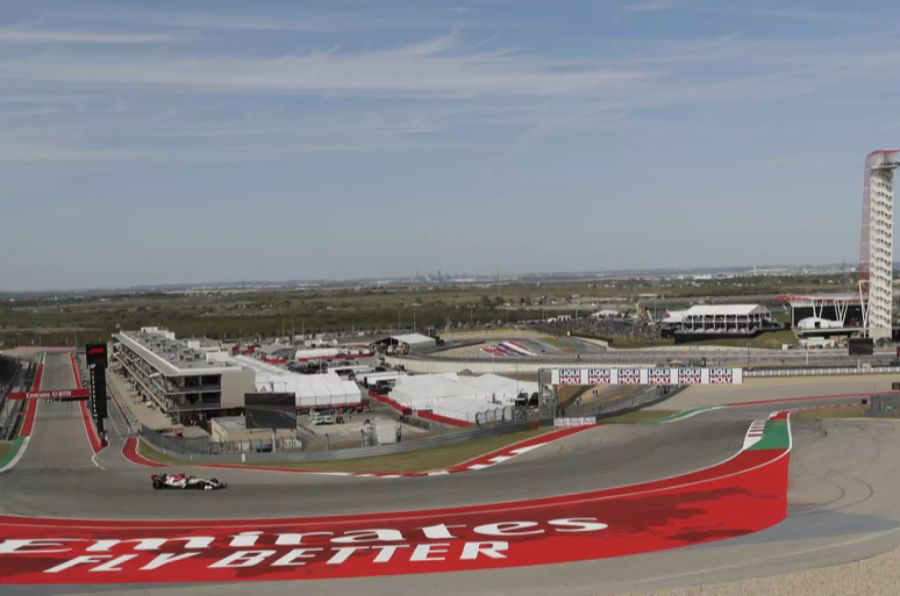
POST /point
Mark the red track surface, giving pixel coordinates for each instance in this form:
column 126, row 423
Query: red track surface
column 89, row 429
column 743, row 494
column 31, row 406
column 28, row 422
column 509, row 449
column 76, row 375
column 38, row 375
column 129, row 450
column 429, row 415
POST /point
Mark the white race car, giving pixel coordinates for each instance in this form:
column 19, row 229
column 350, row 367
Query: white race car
column 185, row 481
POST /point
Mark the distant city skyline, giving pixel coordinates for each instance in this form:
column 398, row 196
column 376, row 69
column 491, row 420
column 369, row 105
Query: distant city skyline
column 464, row 277
column 180, row 142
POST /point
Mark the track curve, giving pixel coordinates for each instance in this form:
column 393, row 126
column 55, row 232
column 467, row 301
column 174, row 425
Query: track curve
column 58, row 477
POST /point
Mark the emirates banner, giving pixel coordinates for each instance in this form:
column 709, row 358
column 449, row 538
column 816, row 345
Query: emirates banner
column 741, row 495
column 646, row 376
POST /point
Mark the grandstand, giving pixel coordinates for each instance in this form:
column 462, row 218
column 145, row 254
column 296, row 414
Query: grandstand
column 718, row 321
column 623, row 325
column 826, row 315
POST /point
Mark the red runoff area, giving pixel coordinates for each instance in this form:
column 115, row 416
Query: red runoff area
column 743, row 494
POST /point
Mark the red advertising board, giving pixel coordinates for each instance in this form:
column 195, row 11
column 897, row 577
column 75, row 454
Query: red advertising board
column 57, row 394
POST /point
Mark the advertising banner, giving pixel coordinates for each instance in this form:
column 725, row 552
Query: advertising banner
column 646, row 376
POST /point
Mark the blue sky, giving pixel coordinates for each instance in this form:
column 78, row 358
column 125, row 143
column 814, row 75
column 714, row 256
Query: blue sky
column 190, row 141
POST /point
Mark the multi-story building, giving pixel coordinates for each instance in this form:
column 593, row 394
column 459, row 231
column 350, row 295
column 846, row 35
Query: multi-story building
column 186, row 379
column 876, row 253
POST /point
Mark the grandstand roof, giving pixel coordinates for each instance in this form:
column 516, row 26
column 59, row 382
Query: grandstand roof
column 711, row 310
column 673, row 316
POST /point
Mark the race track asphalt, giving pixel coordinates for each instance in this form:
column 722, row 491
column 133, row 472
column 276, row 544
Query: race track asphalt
column 843, row 503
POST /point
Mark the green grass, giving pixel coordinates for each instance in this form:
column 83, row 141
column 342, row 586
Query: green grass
column 627, row 341
column 781, row 317
column 768, row 339
column 828, row 413
column 413, row 461
column 638, row 417
column 69, row 318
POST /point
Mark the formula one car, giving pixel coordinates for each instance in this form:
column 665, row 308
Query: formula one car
column 184, row 482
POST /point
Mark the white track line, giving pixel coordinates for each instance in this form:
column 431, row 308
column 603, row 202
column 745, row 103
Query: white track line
column 17, row 457
column 520, row 505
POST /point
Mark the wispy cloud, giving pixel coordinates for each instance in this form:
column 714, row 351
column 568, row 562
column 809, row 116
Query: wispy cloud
column 438, row 67
column 803, row 15
column 46, row 36
column 650, row 6
column 194, row 100
column 260, row 18
column 50, row 152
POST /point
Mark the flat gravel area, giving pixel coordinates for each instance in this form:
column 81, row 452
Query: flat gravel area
column 877, row 575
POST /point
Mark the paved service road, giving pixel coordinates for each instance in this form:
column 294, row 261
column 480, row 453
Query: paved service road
column 842, row 500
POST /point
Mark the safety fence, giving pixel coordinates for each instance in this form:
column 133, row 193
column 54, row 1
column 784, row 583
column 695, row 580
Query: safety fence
column 817, row 371
column 884, row 406
column 177, row 443
column 646, row 396
column 502, row 415
column 191, row 448
column 127, row 415
column 725, row 356
column 11, row 375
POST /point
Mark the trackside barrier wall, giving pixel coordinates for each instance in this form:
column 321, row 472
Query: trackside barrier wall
column 646, row 396
column 10, row 376
column 437, row 363
column 501, row 415
column 809, row 372
column 130, row 419
column 204, row 449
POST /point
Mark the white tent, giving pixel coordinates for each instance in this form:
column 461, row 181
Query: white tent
column 325, row 390
column 460, row 398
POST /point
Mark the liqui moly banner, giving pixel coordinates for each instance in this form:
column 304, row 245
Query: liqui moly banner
column 646, row 376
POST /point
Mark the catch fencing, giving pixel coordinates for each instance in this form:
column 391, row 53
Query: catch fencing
column 884, row 406
column 184, row 447
column 172, row 442
column 646, row 396
column 9, row 408
column 502, row 415
column 808, row 372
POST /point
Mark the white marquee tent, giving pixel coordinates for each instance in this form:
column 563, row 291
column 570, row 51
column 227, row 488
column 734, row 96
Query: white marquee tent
column 458, row 397
column 325, row 390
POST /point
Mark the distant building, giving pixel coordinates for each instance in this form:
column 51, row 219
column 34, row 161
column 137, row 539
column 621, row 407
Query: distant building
column 404, row 343
column 825, row 315
column 876, row 246
column 234, row 429
column 718, row 321
column 606, row 313
column 177, row 377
